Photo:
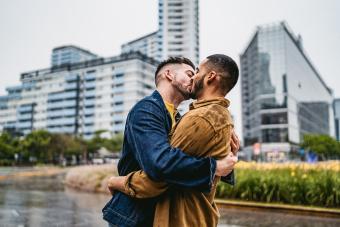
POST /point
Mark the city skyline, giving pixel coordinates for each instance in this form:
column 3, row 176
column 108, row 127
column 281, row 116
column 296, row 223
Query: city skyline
column 28, row 36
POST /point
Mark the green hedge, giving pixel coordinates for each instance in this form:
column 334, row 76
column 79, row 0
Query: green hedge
column 317, row 185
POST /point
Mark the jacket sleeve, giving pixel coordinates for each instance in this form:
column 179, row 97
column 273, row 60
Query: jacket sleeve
column 139, row 185
column 229, row 179
column 160, row 161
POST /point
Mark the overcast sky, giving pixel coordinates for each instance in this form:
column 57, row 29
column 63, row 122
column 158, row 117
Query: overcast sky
column 30, row 29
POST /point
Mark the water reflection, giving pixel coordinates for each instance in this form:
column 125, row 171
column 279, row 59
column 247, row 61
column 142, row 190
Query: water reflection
column 43, row 201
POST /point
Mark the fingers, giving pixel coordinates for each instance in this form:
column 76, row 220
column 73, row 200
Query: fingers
column 110, row 185
column 226, row 165
column 234, row 159
column 112, row 191
column 228, row 172
column 234, row 143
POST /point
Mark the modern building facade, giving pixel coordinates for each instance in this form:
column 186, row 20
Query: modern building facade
column 283, row 95
column 146, row 45
column 337, row 118
column 78, row 98
column 177, row 35
column 70, row 54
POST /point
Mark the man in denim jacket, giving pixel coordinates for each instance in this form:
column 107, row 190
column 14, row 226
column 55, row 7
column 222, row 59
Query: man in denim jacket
column 146, row 146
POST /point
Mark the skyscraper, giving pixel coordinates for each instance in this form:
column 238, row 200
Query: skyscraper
column 337, row 118
column 283, row 95
column 177, row 34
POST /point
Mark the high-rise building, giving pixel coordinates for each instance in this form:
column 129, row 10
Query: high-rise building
column 8, row 109
column 146, row 45
column 337, row 118
column 283, row 95
column 69, row 55
column 78, row 98
column 177, row 35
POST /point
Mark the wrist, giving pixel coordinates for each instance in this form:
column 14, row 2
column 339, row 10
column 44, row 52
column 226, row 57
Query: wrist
column 117, row 183
column 218, row 168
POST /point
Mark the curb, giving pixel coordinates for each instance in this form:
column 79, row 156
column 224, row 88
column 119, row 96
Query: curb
column 295, row 209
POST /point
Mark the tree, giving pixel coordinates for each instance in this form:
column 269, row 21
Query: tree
column 36, row 145
column 7, row 146
column 96, row 142
column 115, row 143
column 323, row 145
column 62, row 146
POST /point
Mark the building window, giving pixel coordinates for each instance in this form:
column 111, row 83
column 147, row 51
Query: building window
column 119, row 75
column 274, row 118
column 275, row 135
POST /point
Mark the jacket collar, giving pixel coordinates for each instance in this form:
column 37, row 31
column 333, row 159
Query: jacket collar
column 157, row 96
column 219, row 101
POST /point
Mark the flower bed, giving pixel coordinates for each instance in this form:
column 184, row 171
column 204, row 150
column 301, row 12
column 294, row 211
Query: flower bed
column 291, row 183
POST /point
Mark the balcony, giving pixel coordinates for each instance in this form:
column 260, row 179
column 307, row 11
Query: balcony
column 61, row 96
column 25, row 108
column 62, row 104
column 62, row 121
column 27, row 116
column 70, row 86
column 89, row 85
column 21, row 125
column 70, row 78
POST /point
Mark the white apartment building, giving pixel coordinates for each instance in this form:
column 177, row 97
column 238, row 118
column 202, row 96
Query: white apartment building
column 78, row 98
column 70, row 54
column 146, row 45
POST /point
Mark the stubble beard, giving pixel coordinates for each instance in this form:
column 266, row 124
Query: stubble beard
column 197, row 88
column 182, row 90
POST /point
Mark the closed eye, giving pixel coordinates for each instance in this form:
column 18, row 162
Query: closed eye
column 190, row 73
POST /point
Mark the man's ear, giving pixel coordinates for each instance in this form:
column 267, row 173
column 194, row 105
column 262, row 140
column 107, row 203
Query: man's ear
column 211, row 76
column 168, row 75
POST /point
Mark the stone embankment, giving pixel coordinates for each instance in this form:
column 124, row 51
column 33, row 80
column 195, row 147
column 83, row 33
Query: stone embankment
column 91, row 178
column 24, row 172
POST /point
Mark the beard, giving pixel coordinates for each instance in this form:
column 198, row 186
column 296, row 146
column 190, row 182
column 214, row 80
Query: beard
column 182, row 89
column 197, row 87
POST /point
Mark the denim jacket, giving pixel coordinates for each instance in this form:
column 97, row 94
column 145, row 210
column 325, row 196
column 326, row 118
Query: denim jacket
column 146, row 146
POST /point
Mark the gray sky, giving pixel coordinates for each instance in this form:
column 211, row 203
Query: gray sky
column 30, row 29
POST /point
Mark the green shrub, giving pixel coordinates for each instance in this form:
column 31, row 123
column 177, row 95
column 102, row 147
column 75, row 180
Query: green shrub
column 306, row 184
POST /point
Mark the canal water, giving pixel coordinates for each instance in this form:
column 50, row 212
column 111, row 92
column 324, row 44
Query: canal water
column 44, row 201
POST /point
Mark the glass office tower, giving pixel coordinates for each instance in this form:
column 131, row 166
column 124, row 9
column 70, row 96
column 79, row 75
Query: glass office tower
column 337, row 118
column 283, row 95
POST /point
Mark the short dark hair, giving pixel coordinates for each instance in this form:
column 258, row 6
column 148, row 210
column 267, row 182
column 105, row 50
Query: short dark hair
column 226, row 66
column 172, row 60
